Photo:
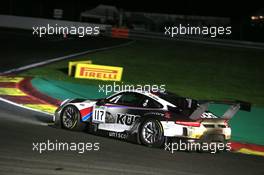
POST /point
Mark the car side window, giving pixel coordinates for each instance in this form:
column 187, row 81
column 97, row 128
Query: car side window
column 150, row 103
column 115, row 99
column 129, row 99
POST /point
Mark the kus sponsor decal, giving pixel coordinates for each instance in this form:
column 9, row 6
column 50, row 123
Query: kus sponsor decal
column 126, row 119
column 99, row 72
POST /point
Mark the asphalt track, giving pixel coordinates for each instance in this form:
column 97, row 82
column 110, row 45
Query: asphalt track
column 20, row 128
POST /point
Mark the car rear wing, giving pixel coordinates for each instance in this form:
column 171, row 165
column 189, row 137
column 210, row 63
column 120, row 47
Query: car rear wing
column 235, row 106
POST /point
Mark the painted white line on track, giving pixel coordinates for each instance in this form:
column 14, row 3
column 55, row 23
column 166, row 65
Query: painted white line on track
column 50, row 61
column 25, row 107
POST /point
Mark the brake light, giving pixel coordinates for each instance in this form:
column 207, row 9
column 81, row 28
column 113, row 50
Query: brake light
column 167, row 115
column 194, row 124
column 226, row 123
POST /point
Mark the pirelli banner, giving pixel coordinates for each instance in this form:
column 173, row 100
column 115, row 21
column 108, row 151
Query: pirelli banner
column 73, row 64
column 98, row 72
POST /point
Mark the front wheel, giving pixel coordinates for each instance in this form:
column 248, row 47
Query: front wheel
column 70, row 119
column 151, row 133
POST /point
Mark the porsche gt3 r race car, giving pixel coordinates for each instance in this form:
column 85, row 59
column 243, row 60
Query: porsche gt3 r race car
column 149, row 118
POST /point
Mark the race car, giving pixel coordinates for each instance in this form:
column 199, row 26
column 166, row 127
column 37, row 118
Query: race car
column 150, row 118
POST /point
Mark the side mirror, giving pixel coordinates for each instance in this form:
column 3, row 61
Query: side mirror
column 101, row 102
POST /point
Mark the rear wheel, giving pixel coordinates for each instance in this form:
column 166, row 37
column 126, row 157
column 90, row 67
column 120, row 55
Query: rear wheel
column 151, row 133
column 70, row 119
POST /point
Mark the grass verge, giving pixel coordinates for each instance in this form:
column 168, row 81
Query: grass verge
column 194, row 70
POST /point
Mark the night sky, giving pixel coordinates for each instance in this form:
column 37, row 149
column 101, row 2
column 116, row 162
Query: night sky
column 187, row 7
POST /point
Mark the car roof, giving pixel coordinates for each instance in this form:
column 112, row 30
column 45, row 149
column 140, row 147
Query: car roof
column 148, row 94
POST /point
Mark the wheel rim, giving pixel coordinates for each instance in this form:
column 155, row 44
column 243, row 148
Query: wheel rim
column 69, row 117
column 150, row 132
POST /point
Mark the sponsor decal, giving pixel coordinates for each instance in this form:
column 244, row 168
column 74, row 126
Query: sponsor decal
column 99, row 114
column 72, row 66
column 109, row 118
column 118, row 135
column 208, row 115
column 99, row 72
column 126, row 119
column 155, row 113
column 86, row 113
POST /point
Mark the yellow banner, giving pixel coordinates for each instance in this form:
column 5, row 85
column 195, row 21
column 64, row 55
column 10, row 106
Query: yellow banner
column 99, row 72
column 72, row 66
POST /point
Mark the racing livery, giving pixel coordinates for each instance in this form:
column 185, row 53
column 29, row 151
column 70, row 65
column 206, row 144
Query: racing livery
column 149, row 118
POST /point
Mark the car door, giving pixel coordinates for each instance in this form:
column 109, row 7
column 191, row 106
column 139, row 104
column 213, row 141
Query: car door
column 121, row 111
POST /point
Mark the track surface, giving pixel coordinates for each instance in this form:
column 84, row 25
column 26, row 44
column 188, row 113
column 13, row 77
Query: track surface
column 20, row 128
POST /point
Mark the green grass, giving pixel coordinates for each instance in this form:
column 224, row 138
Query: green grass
column 194, row 70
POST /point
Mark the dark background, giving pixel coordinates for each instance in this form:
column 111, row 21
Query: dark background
column 243, row 28
column 43, row 8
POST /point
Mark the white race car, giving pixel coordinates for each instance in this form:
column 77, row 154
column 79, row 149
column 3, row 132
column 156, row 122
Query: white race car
column 149, row 118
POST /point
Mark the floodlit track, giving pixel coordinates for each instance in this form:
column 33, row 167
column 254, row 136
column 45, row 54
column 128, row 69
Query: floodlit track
column 20, row 128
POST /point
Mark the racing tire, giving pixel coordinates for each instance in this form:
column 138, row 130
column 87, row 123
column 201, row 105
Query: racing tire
column 71, row 119
column 151, row 133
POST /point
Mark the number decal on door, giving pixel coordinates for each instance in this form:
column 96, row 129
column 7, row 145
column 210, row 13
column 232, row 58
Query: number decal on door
column 99, row 114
